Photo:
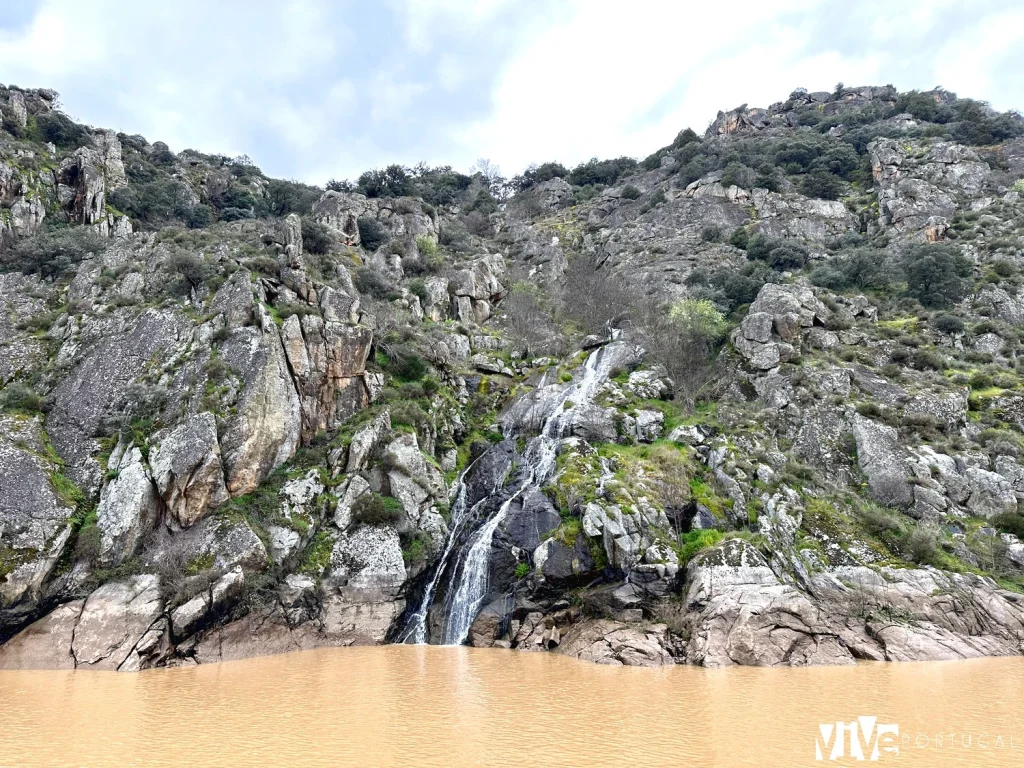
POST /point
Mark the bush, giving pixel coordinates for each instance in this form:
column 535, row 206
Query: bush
column 759, row 246
column 419, row 289
column 630, row 192
column 372, row 283
column 55, row 252
column 406, row 365
column 740, row 237
column 711, row 234
column 596, row 171
column 1010, row 522
column 936, row 274
column 948, row 324
column 61, row 130
column 160, row 200
column 235, row 214
column 291, row 197
column 372, row 234
column 821, row 184
column 863, row 269
column 925, row 359
column 737, row 174
column 980, row 380
column 922, row 544
column 787, row 256
column 317, row 238
column 18, row 396
column 374, row 509
column 191, row 268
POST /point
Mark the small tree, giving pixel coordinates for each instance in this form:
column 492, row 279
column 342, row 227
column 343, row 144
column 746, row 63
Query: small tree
column 936, row 274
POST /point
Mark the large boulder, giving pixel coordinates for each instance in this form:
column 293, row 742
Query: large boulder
column 129, row 505
column 883, row 460
column 188, row 471
column 738, row 612
column 611, row 642
column 266, row 429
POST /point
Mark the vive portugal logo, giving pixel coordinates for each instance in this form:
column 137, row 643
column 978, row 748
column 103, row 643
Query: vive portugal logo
column 862, row 739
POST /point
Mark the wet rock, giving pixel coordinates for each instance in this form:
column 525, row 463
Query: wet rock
column 530, row 519
column 115, row 621
column 610, row 642
column 46, row 644
column 559, row 562
column 186, row 618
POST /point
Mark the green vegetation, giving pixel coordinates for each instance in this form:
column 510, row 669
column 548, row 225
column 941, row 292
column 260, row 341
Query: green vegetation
column 692, row 543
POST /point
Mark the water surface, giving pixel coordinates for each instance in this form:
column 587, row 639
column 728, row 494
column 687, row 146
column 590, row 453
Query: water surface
column 436, row 706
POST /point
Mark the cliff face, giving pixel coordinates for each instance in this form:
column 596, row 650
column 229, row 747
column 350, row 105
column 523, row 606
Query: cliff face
column 243, row 416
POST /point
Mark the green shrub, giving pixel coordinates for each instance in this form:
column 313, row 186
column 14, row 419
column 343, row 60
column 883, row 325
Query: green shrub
column 286, row 197
column 316, row 237
column 54, row 252
column 19, row 396
column 980, row 380
column 925, row 359
column 922, row 544
column 61, row 130
column 711, row 234
column 393, row 181
column 191, row 269
column 1010, row 522
column 740, row 237
column 630, row 192
column 372, row 283
column 936, row 274
column 948, row 324
column 522, row 571
column 693, row 542
column 821, row 184
column 372, row 234
column 787, row 256
column 374, row 509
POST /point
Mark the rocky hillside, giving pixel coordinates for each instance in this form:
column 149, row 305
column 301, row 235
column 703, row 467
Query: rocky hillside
column 755, row 399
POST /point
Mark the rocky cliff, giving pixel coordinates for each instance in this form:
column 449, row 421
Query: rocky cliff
column 779, row 367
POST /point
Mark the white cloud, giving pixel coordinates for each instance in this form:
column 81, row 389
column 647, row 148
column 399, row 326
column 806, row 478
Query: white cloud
column 311, row 88
column 609, row 80
column 423, row 20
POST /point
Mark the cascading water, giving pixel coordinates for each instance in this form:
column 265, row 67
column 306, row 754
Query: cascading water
column 416, row 632
column 470, row 573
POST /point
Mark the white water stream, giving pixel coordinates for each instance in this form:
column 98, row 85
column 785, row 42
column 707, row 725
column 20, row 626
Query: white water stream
column 471, row 571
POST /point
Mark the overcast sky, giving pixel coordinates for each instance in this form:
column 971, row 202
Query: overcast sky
column 315, row 89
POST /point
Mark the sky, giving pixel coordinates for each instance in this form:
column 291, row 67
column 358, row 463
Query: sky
column 321, row 89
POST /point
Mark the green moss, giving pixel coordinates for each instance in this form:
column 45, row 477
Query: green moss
column 70, row 495
column 318, row 555
column 567, row 533
column 200, row 563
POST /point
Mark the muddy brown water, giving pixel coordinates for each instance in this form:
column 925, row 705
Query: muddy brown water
column 433, row 706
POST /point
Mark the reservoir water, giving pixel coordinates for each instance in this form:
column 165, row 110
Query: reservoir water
column 406, row 705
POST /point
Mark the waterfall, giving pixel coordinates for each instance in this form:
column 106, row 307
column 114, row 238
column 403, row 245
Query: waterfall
column 470, row 573
column 465, row 602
